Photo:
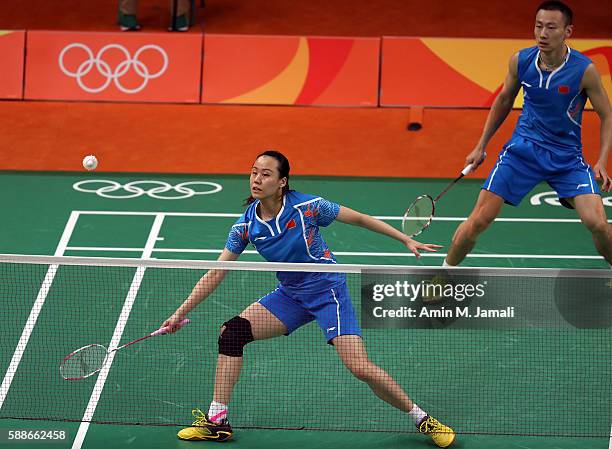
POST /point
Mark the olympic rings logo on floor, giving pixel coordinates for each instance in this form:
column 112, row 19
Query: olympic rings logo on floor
column 154, row 189
column 105, row 70
column 552, row 199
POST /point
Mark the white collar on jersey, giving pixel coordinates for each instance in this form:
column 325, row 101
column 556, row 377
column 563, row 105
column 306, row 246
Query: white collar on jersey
column 280, row 212
column 537, row 66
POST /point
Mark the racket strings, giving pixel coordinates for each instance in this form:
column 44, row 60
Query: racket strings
column 418, row 216
column 84, row 362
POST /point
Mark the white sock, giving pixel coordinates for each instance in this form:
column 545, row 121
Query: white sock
column 417, row 415
column 446, row 264
column 217, row 412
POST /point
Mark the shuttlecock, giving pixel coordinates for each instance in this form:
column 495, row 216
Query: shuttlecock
column 90, row 162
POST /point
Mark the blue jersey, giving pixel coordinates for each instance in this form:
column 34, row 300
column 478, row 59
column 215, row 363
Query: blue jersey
column 292, row 236
column 553, row 101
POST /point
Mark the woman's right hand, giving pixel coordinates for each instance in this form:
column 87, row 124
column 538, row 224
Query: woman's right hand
column 173, row 323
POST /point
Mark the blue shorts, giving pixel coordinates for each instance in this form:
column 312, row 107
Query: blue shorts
column 523, row 164
column 331, row 307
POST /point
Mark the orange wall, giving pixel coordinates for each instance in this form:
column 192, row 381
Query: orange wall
column 12, row 48
column 271, row 70
column 291, row 70
column 445, row 72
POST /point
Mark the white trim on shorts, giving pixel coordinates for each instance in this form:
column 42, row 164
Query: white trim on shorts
column 497, row 166
column 337, row 311
column 588, row 173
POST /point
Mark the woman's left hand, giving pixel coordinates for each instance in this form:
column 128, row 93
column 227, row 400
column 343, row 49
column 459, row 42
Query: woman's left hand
column 415, row 246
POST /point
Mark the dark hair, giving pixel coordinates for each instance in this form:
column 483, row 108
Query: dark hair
column 555, row 5
column 283, row 170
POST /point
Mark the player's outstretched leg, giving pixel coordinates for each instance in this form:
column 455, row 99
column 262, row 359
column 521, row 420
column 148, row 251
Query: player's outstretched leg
column 592, row 214
column 254, row 323
column 353, row 354
column 205, row 429
column 214, row 426
column 441, row 434
column 485, row 211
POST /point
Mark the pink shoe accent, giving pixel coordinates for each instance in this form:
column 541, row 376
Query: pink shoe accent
column 217, row 418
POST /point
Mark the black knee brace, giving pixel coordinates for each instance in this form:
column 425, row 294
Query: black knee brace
column 236, row 335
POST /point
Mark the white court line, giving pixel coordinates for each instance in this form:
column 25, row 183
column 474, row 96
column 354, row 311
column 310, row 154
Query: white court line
column 105, row 248
column 36, row 309
column 380, row 217
column 121, row 322
column 499, row 219
column 27, row 331
column 166, row 214
column 345, row 253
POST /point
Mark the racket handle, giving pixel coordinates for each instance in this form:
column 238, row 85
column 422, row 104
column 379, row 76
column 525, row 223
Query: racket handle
column 164, row 330
column 470, row 167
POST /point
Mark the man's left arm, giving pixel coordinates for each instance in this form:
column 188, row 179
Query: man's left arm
column 591, row 83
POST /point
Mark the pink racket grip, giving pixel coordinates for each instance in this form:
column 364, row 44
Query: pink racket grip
column 470, row 168
column 164, row 330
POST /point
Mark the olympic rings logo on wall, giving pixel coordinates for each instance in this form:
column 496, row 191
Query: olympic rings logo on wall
column 104, row 69
column 154, row 189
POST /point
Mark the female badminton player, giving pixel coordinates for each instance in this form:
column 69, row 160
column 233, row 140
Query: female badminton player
column 283, row 225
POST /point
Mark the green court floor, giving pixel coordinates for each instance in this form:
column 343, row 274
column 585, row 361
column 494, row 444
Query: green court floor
column 46, row 214
column 37, row 207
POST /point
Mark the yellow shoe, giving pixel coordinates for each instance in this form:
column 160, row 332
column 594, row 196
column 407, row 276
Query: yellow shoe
column 203, row 429
column 433, row 290
column 442, row 435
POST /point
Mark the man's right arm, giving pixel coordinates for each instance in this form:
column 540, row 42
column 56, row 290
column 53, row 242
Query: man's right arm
column 502, row 105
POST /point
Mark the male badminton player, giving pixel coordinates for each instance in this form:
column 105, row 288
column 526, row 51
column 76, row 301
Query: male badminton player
column 546, row 145
column 283, row 225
